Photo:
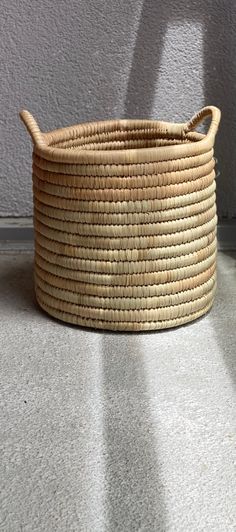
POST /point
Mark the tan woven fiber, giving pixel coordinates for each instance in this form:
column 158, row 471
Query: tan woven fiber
column 66, row 252
column 125, row 218
column 125, row 221
column 173, row 226
column 125, row 291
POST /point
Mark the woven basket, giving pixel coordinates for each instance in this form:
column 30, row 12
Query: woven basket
column 125, row 222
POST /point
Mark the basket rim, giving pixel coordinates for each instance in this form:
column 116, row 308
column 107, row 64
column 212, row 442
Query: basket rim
column 199, row 143
column 97, row 127
column 164, row 130
column 121, row 156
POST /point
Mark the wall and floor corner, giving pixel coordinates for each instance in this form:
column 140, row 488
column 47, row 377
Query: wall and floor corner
column 102, row 60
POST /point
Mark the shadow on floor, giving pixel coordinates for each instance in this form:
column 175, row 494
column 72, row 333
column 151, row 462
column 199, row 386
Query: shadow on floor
column 16, row 282
column 223, row 315
column 134, row 492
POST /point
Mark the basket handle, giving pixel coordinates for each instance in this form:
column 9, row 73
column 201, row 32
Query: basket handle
column 33, row 129
column 199, row 117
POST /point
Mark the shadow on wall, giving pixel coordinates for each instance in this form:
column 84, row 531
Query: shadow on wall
column 147, row 52
column 218, row 21
column 220, row 83
column 134, row 494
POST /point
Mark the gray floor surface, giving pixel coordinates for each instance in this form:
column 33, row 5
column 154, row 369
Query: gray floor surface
column 116, row 432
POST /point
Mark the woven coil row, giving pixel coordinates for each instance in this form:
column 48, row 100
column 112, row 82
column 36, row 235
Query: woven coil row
column 125, row 222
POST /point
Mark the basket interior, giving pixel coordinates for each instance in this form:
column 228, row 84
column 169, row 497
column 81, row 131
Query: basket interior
column 119, row 135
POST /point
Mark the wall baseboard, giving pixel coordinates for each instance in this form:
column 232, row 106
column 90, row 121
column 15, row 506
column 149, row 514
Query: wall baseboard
column 226, row 234
column 17, row 234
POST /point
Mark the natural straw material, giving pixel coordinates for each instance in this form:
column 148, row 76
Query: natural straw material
column 125, row 222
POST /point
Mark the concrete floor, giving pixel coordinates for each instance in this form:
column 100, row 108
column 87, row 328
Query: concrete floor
column 116, row 432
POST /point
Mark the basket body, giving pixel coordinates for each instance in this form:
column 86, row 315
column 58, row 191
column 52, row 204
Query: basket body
column 125, row 223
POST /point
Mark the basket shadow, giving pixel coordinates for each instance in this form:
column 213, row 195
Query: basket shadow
column 16, row 283
column 134, row 492
column 223, row 316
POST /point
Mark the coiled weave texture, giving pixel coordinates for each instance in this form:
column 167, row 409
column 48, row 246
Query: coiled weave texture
column 125, row 222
